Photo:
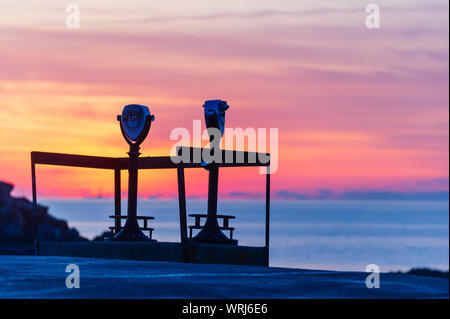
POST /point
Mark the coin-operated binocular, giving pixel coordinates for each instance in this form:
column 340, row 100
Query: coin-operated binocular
column 214, row 111
column 135, row 123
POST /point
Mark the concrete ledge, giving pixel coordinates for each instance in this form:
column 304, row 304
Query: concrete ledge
column 157, row 251
column 227, row 254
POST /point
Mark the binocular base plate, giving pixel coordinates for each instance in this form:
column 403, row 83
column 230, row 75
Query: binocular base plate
column 131, row 234
column 212, row 235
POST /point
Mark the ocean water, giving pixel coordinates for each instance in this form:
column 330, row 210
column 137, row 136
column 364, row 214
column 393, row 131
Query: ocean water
column 335, row 235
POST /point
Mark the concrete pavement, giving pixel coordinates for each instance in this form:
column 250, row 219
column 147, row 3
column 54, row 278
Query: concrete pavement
column 45, row 277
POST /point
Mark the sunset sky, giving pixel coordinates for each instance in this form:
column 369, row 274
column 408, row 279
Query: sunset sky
column 356, row 108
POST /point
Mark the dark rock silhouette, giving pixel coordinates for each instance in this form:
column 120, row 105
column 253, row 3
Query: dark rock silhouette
column 425, row 272
column 16, row 221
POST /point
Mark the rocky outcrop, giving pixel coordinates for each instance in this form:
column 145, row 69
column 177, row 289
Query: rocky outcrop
column 16, row 221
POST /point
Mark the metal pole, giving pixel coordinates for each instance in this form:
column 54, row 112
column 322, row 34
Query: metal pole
column 117, row 200
column 213, row 189
column 35, row 212
column 182, row 203
column 182, row 208
column 132, row 184
column 267, row 214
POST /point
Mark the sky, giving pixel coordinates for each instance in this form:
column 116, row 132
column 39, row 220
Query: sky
column 357, row 109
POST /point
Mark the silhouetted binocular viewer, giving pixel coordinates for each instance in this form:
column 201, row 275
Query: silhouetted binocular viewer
column 135, row 123
column 214, row 111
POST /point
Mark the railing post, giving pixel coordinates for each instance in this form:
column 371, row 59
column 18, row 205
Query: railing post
column 182, row 208
column 267, row 214
column 117, row 200
column 35, row 211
